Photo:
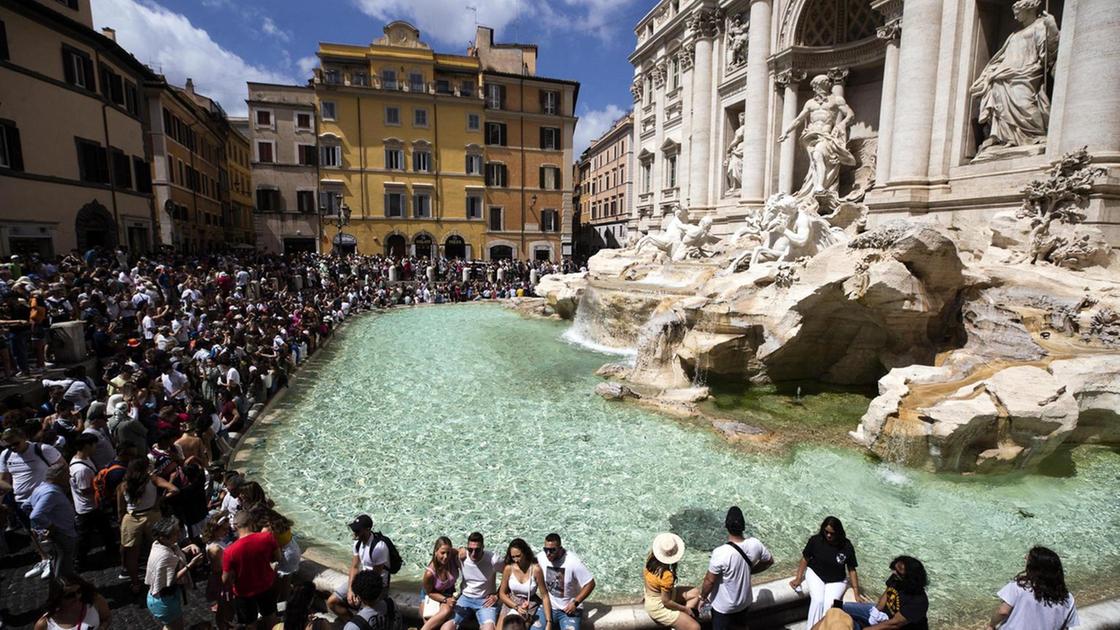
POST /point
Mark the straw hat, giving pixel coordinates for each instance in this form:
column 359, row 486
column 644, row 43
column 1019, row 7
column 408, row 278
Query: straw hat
column 667, row 548
column 834, row 619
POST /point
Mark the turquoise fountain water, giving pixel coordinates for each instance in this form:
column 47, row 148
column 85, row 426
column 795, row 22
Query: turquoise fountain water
column 452, row 419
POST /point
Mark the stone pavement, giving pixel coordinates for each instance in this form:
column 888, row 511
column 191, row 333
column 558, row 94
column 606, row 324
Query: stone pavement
column 22, row 599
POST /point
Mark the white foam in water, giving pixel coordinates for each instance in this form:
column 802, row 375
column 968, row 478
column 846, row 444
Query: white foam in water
column 573, row 336
column 465, row 418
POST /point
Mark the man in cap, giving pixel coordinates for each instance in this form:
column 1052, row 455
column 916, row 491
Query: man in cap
column 370, row 554
column 727, row 585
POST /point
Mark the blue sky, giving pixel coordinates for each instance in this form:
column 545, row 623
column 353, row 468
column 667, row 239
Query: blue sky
column 221, row 44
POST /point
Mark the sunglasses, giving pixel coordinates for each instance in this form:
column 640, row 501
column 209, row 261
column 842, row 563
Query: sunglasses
column 551, row 550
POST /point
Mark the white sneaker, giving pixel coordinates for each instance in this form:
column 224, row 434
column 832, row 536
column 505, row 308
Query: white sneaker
column 35, row 570
column 46, row 570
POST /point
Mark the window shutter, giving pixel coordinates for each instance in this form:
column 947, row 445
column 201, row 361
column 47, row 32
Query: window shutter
column 15, row 151
column 544, row 137
column 558, row 146
column 543, row 182
column 544, row 100
column 68, row 66
column 87, row 66
column 502, row 95
column 3, row 42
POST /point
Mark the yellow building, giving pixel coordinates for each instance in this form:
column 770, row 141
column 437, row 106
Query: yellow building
column 238, row 201
column 401, row 147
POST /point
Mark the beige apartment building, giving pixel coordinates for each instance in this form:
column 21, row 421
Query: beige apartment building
column 605, row 186
column 284, row 154
column 74, row 168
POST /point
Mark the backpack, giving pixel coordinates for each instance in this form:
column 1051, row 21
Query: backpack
column 101, row 494
column 395, row 561
column 38, row 448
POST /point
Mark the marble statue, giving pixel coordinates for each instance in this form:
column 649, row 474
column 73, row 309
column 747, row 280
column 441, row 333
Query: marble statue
column 1013, row 101
column 733, row 163
column 679, row 239
column 737, row 42
column 826, row 117
column 791, row 231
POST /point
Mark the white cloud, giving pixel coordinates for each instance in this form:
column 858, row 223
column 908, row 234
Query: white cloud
column 307, row 64
column 593, row 124
column 269, row 27
column 172, row 45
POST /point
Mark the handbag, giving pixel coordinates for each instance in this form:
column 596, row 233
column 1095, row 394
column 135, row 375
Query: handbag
column 431, row 607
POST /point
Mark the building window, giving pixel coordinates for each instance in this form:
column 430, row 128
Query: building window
column 422, row 161
column 443, row 86
column 11, row 153
column 268, row 200
column 389, row 79
column 550, row 102
column 305, row 201
column 671, row 171
column 474, row 122
column 394, row 204
column 392, row 116
column 550, row 138
column 466, row 88
column 496, row 134
column 495, row 224
column 496, row 175
column 112, row 86
column 264, row 118
column 328, row 110
column 360, row 79
column 77, row 68
column 416, row 82
column 419, row 117
column 332, row 76
column 474, row 164
column 303, row 120
column 265, row 154
column 422, row 205
column 329, row 202
column 647, row 93
column 495, row 96
column 131, row 98
column 550, row 220
column 474, row 207
column 305, row 155
column 330, row 155
column 394, row 159
column 93, row 163
column 674, row 73
column 647, row 175
column 550, row 177
column 122, row 169
column 143, row 172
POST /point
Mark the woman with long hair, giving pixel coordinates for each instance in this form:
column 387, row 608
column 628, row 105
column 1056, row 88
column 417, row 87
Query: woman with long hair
column 75, row 604
column 138, row 507
column 827, row 568
column 666, row 603
column 439, row 582
column 523, row 592
column 280, row 526
column 904, row 602
column 1037, row 599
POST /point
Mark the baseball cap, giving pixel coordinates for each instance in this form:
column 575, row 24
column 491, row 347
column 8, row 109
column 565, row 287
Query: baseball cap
column 363, row 521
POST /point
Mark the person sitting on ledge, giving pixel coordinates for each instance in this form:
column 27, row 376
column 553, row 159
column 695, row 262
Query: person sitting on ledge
column 666, row 603
column 370, row 554
column 902, row 605
column 568, row 580
column 439, row 580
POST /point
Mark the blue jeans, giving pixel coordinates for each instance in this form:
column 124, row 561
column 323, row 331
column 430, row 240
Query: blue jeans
column 468, row 606
column 564, row 621
column 859, row 613
column 18, row 343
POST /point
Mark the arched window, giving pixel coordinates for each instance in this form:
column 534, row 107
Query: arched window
column 836, row 22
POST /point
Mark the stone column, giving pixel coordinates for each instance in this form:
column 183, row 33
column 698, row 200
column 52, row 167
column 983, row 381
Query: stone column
column 787, row 81
column 913, row 118
column 704, row 25
column 1091, row 112
column 889, row 32
column 756, row 119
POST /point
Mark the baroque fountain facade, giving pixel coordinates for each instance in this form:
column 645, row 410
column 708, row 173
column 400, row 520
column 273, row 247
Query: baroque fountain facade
column 992, row 327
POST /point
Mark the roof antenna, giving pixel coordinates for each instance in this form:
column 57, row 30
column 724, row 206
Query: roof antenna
column 475, row 11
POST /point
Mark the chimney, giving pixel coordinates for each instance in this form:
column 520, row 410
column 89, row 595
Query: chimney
column 190, row 85
column 111, row 33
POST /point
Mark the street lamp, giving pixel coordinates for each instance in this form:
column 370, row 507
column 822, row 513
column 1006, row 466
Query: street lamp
column 341, row 221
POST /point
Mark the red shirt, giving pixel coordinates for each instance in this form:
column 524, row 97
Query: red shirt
column 248, row 560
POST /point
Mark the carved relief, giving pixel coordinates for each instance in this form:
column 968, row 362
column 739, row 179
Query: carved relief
column 688, row 55
column 891, row 31
column 706, row 21
column 737, row 28
column 658, row 74
column 788, row 77
column 636, row 89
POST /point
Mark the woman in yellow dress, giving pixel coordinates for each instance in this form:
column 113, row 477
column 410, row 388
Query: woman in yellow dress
column 668, row 604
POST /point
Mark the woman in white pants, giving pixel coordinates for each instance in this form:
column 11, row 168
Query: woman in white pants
column 827, row 568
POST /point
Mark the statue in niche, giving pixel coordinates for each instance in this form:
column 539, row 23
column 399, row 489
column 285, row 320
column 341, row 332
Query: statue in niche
column 1013, row 101
column 791, row 230
column 737, row 42
column 733, row 163
column 679, row 239
column 826, row 117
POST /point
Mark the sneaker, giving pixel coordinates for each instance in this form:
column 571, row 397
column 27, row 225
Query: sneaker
column 123, row 575
column 35, row 570
column 46, row 574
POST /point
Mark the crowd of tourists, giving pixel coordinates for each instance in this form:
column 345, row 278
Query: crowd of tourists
column 125, row 459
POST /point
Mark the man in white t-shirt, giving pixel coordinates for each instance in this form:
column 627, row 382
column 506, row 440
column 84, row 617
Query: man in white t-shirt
column 727, row 585
column 568, row 581
column 91, row 521
column 23, row 467
column 478, row 596
column 370, row 554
